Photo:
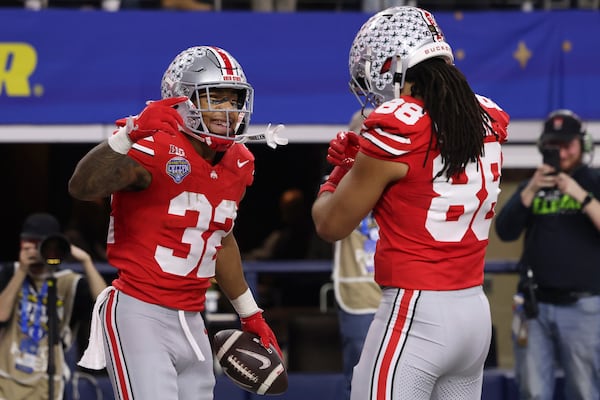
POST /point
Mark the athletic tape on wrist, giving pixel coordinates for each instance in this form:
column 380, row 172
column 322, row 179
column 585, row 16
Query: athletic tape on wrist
column 245, row 305
column 120, row 142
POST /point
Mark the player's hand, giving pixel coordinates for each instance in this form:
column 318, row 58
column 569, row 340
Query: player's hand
column 342, row 149
column 256, row 324
column 341, row 153
column 157, row 116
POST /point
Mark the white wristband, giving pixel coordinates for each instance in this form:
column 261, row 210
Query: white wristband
column 245, row 305
column 120, row 142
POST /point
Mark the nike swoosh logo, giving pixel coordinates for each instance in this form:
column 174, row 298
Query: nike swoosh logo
column 240, row 163
column 266, row 363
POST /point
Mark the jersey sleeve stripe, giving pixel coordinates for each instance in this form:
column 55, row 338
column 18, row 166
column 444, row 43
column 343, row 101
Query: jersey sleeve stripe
column 383, row 146
column 395, row 138
column 143, row 149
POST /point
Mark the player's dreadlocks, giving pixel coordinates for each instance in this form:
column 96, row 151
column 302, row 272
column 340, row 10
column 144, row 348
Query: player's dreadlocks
column 458, row 122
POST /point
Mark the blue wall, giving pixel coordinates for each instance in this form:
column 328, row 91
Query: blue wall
column 86, row 67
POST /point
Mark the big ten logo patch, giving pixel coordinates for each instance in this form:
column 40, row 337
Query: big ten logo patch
column 17, row 63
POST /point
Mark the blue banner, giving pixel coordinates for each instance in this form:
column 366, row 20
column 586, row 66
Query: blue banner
column 88, row 67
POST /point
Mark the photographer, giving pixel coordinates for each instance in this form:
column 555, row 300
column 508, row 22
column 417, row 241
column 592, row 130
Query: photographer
column 560, row 265
column 24, row 314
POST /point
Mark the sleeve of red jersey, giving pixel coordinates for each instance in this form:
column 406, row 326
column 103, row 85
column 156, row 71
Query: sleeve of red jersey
column 500, row 119
column 387, row 138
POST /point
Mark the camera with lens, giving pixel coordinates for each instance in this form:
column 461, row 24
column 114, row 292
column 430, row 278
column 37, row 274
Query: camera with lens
column 54, row 249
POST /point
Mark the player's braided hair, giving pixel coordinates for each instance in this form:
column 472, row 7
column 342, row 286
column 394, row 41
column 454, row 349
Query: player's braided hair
column 458, row 122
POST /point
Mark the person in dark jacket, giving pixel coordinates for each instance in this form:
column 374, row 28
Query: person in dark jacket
column 559, row 211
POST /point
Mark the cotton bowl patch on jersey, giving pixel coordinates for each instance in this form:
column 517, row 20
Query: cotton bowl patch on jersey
column 248, row 364
column 178, row 168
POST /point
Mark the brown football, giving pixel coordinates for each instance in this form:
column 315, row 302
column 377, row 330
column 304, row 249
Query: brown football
column 248, row 364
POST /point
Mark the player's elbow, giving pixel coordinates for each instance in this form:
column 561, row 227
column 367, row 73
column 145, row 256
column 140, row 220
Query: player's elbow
column 329, row 231
column 330, row 224
column 78, row 189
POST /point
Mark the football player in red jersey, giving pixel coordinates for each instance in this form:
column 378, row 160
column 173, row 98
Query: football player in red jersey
column 176, row 174
column 428, row 163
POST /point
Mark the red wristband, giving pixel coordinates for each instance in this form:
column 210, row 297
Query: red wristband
column 333, row 179
column 327, row 187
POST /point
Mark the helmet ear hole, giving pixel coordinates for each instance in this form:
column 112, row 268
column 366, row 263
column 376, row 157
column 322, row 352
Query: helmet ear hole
column 387, row 65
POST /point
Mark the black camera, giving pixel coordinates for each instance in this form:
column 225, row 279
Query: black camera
column 551, row 157
column 54, row 249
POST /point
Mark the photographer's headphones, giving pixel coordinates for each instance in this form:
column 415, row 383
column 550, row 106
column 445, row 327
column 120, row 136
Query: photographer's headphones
column 565, row 122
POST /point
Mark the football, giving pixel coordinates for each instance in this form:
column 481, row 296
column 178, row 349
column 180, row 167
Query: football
column 248, row 364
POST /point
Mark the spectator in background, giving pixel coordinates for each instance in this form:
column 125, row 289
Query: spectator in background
column 289, row 241
column 273, row 5
column 115, row 5
column 186, row 5
column 373, row 6
column 356, row 293
column 180, row 5
column 23, row 313
column 87, row 227
column 559, row 211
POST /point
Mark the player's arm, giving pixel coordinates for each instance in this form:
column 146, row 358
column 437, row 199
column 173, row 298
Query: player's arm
column 103, row 171
column 107, row 168
column 229, row 272
column 231, row 280
column 337, row 213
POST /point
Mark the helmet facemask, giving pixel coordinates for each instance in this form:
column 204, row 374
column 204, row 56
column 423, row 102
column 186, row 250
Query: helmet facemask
column 362, row 83
column 209, row 99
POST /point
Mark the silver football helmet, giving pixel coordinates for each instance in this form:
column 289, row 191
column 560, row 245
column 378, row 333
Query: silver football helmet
column 194, row 73
column 389, row 43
